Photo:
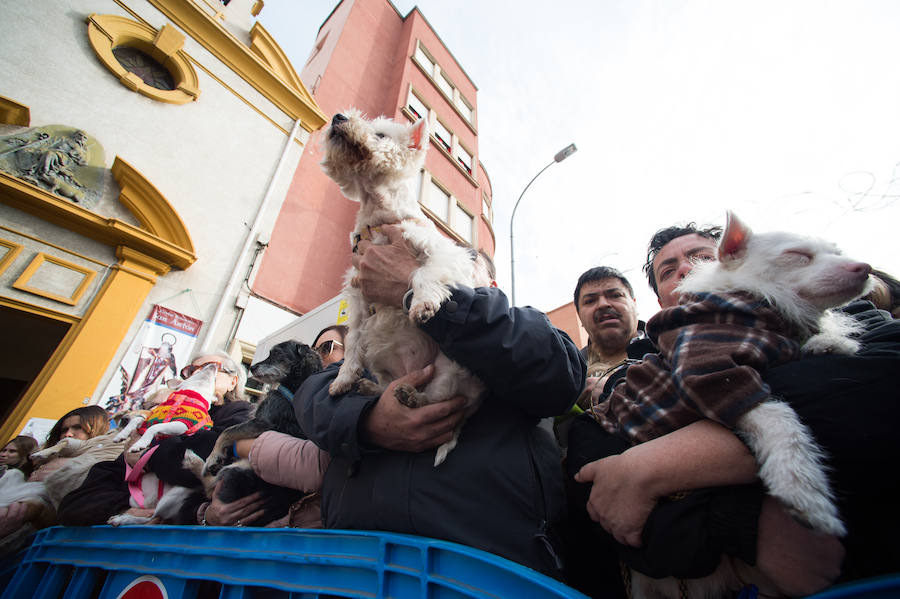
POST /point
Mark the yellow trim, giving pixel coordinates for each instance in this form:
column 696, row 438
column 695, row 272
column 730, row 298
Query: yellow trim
column 54, row 246
column 78, row 364
column 149, row 206
column 13, row 250
column 297, row 102
column 264, row 45
column 106, row 32
column 110, row 231
column 13, row 113
column 257, row 8
column 22, row 282
column 23, row 306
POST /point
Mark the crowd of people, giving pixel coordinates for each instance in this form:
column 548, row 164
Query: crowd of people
column 535, row 478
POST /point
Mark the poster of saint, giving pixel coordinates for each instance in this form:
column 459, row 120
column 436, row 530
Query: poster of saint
column 161, row 348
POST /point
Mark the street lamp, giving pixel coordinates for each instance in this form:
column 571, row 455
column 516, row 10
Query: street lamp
column 560, row 156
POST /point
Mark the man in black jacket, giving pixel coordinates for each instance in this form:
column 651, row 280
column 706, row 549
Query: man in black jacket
column 501, row 488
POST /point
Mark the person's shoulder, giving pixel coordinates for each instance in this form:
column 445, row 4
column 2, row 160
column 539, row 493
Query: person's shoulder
column 232, row 412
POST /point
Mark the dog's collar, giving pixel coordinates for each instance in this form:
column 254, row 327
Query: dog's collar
column 286, row 393
column 364, row 234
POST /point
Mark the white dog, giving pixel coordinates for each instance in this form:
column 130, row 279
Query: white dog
column 775, row 291
column 374, row 163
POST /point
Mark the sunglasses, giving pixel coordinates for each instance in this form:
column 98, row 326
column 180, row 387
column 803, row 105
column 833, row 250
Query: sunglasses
column 327, row 347
column 190, row 369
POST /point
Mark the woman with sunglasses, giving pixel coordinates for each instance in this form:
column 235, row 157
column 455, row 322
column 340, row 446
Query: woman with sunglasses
column 329, row 343
column 104, row 493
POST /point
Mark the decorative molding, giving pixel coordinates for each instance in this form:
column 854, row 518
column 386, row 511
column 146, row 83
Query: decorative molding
column 106, row 32
column 149, row 206
column 12, row 250
column 13, row 113
column 297, row 102
column 111, row 231
column 72, row 299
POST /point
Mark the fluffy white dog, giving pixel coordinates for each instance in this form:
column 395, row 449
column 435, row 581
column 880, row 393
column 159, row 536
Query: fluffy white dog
column 374, row 163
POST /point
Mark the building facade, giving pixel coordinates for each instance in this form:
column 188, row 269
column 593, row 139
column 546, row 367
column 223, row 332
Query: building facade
column 146, row 147
column 370, row 57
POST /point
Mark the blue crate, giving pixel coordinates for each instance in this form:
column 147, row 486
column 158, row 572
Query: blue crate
column 103, row 561
column 886, row 587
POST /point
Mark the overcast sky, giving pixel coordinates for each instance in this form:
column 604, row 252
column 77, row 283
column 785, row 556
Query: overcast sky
column 787, row 113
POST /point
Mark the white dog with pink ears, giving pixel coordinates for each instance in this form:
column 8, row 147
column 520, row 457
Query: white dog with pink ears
column 766, row 300
column 374, row 163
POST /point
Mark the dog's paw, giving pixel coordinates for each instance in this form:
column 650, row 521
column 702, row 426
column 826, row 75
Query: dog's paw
column 339, row 387
column 122, row 436
column 824, row 343
column 139, row 445
column 42, row 454
column 214, row 464
column 367, row 387
column 127, row 520
column 422, row 312
column 407, row 395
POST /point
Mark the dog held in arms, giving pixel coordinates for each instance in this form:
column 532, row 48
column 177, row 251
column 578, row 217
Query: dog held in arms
column 767, row 295
column 374, row 163
column 184, row 412
column 288, row 364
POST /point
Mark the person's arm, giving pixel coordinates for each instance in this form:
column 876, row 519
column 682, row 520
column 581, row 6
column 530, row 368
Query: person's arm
column 626, row 487
column 287, row 461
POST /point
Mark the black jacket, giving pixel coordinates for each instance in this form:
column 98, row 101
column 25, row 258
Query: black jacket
column 501, row 489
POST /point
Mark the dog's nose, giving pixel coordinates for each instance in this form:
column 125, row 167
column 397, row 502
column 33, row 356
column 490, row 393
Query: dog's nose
column 338, row 119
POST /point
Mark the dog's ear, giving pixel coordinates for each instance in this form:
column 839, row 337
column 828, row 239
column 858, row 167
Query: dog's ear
column 417, row 134
column 733, row 245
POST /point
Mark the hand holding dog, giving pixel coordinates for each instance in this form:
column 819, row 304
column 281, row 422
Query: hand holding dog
column 384, row 270
column 391, row 425
column 243, row 511
column 619, row 501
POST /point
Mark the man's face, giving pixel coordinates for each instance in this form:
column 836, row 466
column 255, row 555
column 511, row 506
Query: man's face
column 675, row 260
column 608, row 314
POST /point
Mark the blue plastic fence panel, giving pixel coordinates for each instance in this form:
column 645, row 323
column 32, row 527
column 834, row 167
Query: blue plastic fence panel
column 242, row 561
column 886, row 587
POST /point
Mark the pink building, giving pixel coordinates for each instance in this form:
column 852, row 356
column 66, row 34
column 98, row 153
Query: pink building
column 369, row 56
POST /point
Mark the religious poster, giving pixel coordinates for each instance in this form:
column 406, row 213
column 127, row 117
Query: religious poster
column 161, row 348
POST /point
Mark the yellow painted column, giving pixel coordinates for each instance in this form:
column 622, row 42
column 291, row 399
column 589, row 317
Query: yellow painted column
column 75, row 369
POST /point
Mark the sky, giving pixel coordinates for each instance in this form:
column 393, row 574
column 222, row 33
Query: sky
column 787, row 113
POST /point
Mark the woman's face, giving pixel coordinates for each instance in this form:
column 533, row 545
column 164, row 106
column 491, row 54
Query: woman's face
column 225, row 381
column 71, row 428
column 9, row 455
column 330, row 346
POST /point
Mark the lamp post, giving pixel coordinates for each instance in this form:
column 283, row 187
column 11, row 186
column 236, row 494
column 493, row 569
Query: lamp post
column 560, row 156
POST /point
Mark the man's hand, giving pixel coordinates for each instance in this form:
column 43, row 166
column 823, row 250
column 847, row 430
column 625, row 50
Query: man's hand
column 385, row 270
column 799, row 561
column 618, row 501
column 391, row 425
column 240, row 512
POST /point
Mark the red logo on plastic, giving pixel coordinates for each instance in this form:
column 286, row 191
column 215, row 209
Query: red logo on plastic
column 145, row 587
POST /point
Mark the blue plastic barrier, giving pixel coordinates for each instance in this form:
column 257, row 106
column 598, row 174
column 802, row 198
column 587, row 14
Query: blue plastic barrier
column 887, row 587
column 233, row 563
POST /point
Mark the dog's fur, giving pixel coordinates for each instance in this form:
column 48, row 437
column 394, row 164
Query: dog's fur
column 171, row 506
column 802, row 278
column 288, row 364
column 202, row 382
column 374, row 162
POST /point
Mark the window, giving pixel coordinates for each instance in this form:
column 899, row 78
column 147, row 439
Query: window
column 144, row 60
column 416, row 106
column 464, row 158
column 464, row 108
column 463, row 223
column 438, row 201
column 445, row 86
column 486, row 209
column 443, row 135
column 424, row 60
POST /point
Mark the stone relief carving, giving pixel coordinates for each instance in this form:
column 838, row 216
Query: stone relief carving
column 63, row 160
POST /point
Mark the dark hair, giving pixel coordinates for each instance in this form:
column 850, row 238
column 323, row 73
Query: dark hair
column 25, row 446
column 340, row 328
column 885, row 296
column 599, row 273
column 664, row 236
column 94, row 421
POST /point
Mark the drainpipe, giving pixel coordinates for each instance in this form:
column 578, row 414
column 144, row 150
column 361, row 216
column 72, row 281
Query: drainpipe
column 236, row 276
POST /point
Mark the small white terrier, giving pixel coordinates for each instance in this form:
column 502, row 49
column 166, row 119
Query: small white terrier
column 802, row 279
column 374, row 163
